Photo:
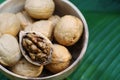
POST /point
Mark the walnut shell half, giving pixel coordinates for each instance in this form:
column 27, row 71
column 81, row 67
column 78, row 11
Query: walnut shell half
column 35, row 47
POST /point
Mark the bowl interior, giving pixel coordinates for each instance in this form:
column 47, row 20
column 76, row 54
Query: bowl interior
column 62, row 8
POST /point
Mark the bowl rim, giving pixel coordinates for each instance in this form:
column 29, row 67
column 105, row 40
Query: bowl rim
column 74, row 63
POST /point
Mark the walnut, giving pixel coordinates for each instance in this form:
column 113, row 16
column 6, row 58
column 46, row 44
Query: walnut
column 24, row 68
column 9, row 24
column 40, row 9
column 68, row 30
column 0, row 34
column 54, row 19
column 44, row 26
column 60, row 59
column 57, row 67
column 9, row 50
column 36, row 48
column 24, row 19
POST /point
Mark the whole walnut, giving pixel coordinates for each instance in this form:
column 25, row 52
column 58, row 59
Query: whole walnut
column 24, row 68
column 9, row 50
column 24, row 19
column 57, row 67
column 68, row 30
column 44, row 26
column 54, row 19
column 40, row 9
column 9, row 24
column 60, row 59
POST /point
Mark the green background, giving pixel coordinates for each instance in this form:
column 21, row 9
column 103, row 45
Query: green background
column 102, row 58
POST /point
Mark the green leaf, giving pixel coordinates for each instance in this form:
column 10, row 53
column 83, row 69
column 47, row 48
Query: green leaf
column 101, row 61
column 1, row 1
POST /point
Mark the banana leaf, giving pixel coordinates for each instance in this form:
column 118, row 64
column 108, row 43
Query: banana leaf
column 102, row 58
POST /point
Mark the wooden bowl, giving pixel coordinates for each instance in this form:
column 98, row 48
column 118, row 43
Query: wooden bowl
column 63, row 7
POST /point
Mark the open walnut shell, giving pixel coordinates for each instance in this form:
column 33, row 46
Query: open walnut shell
column 35, row 47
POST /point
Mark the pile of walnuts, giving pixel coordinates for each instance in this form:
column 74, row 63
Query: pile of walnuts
column 39, row 36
